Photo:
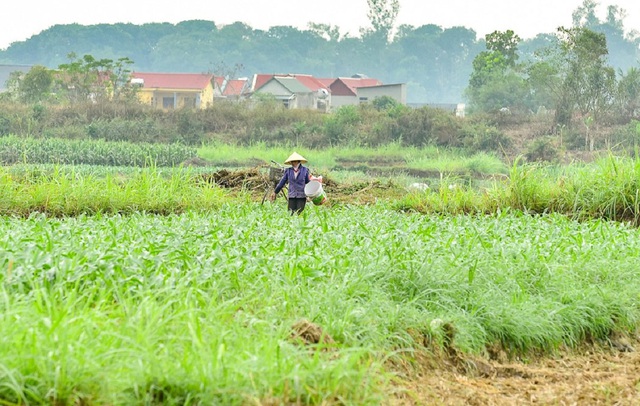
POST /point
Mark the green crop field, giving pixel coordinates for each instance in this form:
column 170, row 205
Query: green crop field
column 206, row 308
column 146, row 284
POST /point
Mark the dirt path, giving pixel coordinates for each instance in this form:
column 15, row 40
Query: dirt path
column 595, row 376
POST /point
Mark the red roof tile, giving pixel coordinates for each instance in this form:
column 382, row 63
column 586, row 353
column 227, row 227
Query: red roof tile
column 348, row 86
column 310, row 82
column 326, row 82
column 354, row 83
column 260, row 79
column 234, row 87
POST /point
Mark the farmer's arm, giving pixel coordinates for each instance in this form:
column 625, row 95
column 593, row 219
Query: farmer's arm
column 282, row 182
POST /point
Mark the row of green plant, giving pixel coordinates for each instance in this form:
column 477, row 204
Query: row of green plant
column 15, row 149
column 609, row 188
column 392, row 155
column 203, row 308
column 61, row 191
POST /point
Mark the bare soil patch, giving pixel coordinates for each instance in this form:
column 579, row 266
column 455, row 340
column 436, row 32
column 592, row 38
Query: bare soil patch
column 595, row 375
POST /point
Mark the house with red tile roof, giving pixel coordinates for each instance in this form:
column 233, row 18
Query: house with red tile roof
column 358, row 89
column 174, row 90
column 329, row 93
column 343, row 86
column 295, row 91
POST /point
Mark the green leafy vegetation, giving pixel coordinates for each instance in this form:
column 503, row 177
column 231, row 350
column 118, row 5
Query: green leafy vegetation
column 125, row 285
column 606, row 189
column 129, row 275
column 66, row 192
column 201, row 308
column 91, row 152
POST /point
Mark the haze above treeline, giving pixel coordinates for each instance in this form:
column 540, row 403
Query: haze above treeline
column 433, row 61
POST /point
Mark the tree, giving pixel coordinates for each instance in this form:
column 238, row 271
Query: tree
column 88, row 78
column 544, row 82
column 328, row 32
column 506, row 44
column 36, row 85
column 624, row 48
column 33, row 86
column 582, row 81
column 574, row 73
column 588, row 78
column 585, row 15
column 496, row 81
column 382, row 14
column 119, row 76
column 628, row 95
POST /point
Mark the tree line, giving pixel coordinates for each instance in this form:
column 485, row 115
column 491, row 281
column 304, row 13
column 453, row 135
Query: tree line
column 435, row 62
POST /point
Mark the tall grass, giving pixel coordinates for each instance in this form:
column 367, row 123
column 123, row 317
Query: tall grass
column 608, row 189
column 63, row 192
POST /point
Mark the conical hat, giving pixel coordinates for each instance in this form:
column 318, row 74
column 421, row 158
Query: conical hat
column 295, row 157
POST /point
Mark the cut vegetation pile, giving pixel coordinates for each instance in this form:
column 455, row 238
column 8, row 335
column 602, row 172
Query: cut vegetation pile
column 246, row 179
column 257, row 178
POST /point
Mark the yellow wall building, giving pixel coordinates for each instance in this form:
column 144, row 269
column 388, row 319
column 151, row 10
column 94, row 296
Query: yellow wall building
column 174, row 90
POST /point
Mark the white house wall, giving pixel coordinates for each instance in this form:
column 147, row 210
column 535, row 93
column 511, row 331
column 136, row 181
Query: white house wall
column 306, row 100
column 397, row 92
column 339, row 101
column 275, row 88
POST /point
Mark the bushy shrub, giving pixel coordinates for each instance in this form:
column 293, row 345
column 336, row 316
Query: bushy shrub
column 342, row 124
column 11, row 117
column 479, row 136
column 5, row 125
column 225, row 117
column 70, row 132
column 384, row 103
column 627, row 137
column 141, row 130
column 426, row 126
column 542, row 149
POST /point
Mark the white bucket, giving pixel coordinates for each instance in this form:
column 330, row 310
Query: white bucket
column 314, row 191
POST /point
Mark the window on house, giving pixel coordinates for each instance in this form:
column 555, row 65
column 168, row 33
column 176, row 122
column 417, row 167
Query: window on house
column 286, row 103
column 189, row 102
column 364, row 99
column 167, row 102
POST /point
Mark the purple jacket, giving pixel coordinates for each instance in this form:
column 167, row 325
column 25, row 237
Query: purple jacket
column 296, row 185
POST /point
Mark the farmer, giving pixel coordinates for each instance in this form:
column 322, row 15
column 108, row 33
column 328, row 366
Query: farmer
column 297, row 176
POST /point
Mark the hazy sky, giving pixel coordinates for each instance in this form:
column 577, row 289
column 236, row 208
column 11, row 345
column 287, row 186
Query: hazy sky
column 24, row 18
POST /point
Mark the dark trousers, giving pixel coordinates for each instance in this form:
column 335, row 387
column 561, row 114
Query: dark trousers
column 296, row 204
